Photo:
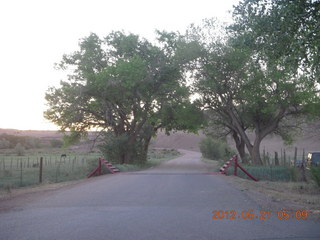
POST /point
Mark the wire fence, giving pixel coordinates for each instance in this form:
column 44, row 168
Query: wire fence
column 282, row 165
column 284, row 157
column 24, row 171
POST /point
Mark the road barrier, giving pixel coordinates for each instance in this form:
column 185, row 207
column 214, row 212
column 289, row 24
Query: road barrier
column 234, row 160
column 107, row 164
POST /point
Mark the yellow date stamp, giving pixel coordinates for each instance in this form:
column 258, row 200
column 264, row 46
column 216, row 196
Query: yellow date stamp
column 260, row 215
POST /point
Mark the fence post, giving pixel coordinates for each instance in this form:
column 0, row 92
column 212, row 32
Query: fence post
column 276, row 159
column 40, row 169
column 20, row 172
column 100, row 166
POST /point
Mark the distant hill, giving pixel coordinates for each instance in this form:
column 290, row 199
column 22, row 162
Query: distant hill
column 309, row 140
column 32, row 133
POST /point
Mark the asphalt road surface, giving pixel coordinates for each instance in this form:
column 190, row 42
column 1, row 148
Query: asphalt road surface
column 172, row 201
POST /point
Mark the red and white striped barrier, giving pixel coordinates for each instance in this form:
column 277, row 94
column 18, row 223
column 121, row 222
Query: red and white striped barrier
column 107, row 164
column 224, row 168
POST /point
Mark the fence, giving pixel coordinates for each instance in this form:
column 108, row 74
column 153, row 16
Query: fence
column 285, row 158
column 277, row 166
column 24, row 171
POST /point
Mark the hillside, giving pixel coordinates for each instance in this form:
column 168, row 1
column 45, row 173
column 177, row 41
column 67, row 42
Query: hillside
column 309, row 140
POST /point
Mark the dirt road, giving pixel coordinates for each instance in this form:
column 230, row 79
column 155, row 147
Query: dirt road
column 172, row 201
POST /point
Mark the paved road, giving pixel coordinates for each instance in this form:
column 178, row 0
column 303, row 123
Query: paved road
column 172, row 201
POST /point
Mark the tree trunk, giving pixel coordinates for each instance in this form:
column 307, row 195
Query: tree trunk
column 255, row 151
column 145, row 149
column 128, row 157
column 242, row 152
column 122, row 158
column 240, row 145
column 130, row 149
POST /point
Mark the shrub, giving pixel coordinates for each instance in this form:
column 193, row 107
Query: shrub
column 19, row 149
column 113, row 147
column 315, row 172
column 214, row 149
column 56, row 143
column 4, row 144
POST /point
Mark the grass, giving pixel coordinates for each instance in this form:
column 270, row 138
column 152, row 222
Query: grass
column 315, row 172
column 296, row 195
column 282, row 185
column 155, row 157
column 20, row 171
column 17, row 171
column 269, row 173
column 216, row 164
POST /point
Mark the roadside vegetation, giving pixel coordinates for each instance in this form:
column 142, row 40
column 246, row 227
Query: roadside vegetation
column 259, row 75
column 215, row 149
column 315, row 172
column 292, row 187
column 285, row 194
column 20, row 171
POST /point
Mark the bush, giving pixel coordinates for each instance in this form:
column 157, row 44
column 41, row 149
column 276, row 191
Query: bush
column 214, row 149
column 113, row 147
column 315, row 172
column 56, row 143
column 19, row 149
column 4, row 144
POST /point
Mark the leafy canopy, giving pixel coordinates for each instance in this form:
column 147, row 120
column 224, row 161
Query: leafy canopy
column 124, row 85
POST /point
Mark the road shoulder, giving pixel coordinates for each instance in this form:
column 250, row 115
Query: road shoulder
column 277, row 196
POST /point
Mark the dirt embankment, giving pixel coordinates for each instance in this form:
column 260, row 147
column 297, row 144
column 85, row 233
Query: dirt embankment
column 308, row 141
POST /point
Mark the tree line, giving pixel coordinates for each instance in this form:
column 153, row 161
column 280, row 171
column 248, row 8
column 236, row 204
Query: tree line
column 259, row 74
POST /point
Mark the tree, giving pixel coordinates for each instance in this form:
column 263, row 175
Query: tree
column 281, row 29
column 218, row 72
column 4, row 143
column 125, row 86
column 219, row 127
column 283, row 37
column 247, row 89
column 19, row 148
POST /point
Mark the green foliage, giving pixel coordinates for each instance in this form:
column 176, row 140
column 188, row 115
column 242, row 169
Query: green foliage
column 8, row 141
column 315, row 172
column 126, row 86
column 215, row 149
column 4, row 143
column 293, row 174
column 114, row 147
column 249, row 86
column 56, row 143
column 267, row 173
column 280, row 30
column 73, row 168
column 19, row 149
column 71, row 138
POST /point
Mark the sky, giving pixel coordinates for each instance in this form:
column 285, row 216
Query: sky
column 34, row 34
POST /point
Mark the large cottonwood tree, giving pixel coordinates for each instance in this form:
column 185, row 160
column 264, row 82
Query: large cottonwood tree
column 126, row 87
column 247, row 90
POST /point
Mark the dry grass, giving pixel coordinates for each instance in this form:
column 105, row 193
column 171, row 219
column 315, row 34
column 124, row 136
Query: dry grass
column 281, row 195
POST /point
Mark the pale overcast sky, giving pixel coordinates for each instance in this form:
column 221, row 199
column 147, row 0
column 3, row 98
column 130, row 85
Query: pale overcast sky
column 34, row 34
